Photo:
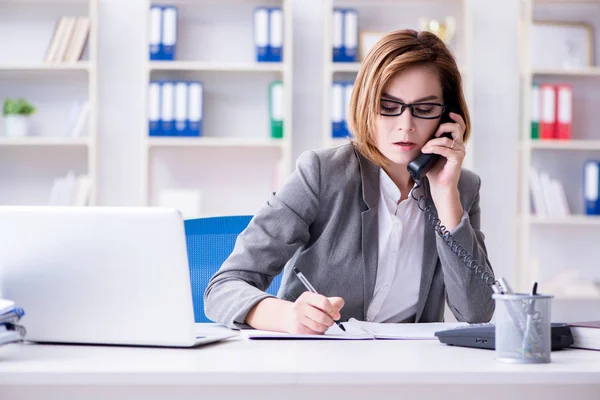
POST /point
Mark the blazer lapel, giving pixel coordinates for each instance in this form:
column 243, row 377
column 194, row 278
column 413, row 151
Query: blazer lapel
column 430, row 257
column 370, row 243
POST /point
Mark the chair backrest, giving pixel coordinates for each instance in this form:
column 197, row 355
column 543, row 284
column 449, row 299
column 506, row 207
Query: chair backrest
column 209, row 242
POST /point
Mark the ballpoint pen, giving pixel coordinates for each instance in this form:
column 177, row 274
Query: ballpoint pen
column 310, row 288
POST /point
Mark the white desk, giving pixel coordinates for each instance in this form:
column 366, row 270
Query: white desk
column 334, row 370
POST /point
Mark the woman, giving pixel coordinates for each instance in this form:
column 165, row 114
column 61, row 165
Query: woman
column 345, row 218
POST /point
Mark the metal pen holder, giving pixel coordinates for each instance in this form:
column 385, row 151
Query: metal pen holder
column 523, row 328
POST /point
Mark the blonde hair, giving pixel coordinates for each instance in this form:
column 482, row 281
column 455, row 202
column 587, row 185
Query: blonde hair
column 395, row 52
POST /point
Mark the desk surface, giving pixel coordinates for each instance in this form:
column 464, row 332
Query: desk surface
column 241, row 361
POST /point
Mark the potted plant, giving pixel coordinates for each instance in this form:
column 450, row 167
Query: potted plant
column 16, row 116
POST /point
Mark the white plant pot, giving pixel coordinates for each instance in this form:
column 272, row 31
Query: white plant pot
column 16, row 125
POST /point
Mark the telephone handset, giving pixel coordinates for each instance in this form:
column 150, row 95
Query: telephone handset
column 424, row 162
column 417, row 169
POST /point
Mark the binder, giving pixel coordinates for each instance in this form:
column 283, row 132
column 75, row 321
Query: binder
column 167, row 108
column 154, row 124
column 275, row 48
column 348, row 86
column 548, row 114
column 169, row 33
column 337, row 109
column 261, row 33
column 564, row 112
column 181, row 108
column 195, row 108
column 155, row 32
column 591, row 181
column 338, row 35
column 350, row 35
column 276, row 107
column 535, row 111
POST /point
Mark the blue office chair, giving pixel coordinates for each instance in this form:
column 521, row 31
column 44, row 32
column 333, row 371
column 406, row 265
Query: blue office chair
column 209, row 242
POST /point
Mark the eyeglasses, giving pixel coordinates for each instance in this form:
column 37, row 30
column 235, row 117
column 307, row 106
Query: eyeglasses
column 392, row 108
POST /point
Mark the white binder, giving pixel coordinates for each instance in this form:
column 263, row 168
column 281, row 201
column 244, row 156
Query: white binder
column 276, row 34
column 338, row 35
column 337, row 109
column 154, row 125
column 350, row 35
column 181, row 108
column 169, row 32
column 167, row 97
column 155, row 32
column 261, row 33
column 195, row 112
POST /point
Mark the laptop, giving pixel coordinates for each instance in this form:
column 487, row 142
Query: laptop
column 101, row 275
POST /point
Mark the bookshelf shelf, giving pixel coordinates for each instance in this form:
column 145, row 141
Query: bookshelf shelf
column 80, row 66
column 572, row 220
column 344, row 67
column 215, row 66
column 213, row 142
column 44, row 142
column 592, row 71
column 577, row 145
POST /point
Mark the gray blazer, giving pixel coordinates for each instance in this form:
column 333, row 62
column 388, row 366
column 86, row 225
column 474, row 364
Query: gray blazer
column 324, row 221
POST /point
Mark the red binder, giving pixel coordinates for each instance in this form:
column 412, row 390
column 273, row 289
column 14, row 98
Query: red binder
column 548, row 114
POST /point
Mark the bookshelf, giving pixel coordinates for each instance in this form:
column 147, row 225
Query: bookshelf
column 235, row 164
column 397, row 15
column 550, row 247
column 30, row 165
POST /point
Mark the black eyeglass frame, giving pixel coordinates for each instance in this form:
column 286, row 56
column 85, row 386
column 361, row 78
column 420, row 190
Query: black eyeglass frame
column 404, row 106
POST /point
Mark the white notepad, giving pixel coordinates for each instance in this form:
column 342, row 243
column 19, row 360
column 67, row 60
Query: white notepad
column 359, row 330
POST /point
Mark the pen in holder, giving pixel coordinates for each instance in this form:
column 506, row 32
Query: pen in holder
column 523, row 328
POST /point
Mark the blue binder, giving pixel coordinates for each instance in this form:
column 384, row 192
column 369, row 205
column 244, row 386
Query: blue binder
column 167, row 108
column 169, row 33
column 591, row 186
column 337, row 109
column 338, row 35
column 275, row 48
column 154, row 124
column 195, row 108
column 261, row 33
column 155, row 33
column 350, row 47
column 181, row 115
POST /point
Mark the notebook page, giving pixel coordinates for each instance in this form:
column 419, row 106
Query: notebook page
column 420, row 331
column 353, row 332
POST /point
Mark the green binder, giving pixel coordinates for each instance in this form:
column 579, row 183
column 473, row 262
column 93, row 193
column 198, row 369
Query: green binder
column 535, row 111
column 276, row 107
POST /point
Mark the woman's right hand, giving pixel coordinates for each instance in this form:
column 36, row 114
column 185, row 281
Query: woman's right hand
column 313, row 313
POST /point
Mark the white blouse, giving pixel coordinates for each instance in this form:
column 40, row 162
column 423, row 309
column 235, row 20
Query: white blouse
column 401, row 231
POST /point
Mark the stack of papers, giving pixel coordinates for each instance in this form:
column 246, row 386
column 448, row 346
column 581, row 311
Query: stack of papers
column 359, row 330
column 10, row 315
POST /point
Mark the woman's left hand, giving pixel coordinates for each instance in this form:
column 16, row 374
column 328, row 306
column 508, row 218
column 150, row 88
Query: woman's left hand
column 445, row 174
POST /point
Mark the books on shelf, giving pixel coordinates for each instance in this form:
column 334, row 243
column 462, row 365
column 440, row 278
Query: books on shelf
column 268, row 34
column 586, row 335
column 345, row 35
column 69, row 40
column 551, row 111
column 341, row 93
column 548, row 195
column 77, row 120
column 175, row 108
column 163, row 32
column 70, row 190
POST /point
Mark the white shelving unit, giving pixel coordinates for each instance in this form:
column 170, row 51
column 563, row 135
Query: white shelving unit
column 235, row 163
column 389, row 15
column 28, row 165
column 550, row 246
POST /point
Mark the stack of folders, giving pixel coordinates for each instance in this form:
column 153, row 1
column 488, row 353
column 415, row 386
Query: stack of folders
column 341, row 93
column 591, row 187
column 69, row 40
column 163, row 32
column 268, row 34
column 345, row 35
column 175, row 108
column 548, row 195
column 276, row 105
column 10, row 315
column 551, row 111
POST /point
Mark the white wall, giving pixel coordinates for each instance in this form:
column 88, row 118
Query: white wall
column 495, row 67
